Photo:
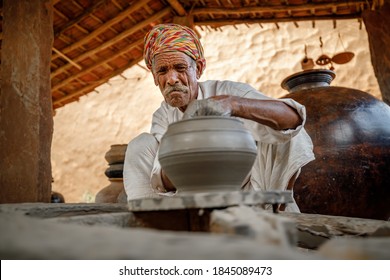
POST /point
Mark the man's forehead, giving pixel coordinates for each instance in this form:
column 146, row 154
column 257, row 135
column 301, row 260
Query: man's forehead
column 173, row 57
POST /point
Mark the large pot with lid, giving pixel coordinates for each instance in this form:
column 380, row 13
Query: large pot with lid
column 350, row 130
column 207, row 154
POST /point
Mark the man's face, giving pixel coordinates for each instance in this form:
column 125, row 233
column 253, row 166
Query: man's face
column 176, row 75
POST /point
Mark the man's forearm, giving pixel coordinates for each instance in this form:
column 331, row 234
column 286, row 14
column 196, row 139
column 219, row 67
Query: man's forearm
column 272, row 113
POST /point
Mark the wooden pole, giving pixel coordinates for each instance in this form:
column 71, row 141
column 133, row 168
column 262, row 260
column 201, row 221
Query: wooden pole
column 378, row 30
column 26, row 122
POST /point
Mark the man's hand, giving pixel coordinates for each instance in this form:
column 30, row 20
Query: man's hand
column 269, row 112
column 214, row 106
column 168, row 185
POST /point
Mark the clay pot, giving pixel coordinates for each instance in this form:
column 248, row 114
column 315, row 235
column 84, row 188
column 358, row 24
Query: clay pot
column 114, row 170
column 207, row 154
column 57, row 197
column 110, row 193
column 350, row 130
column 116, row 154
column 307, row 63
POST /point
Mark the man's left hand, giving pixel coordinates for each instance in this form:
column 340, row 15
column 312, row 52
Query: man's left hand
column 213, row 106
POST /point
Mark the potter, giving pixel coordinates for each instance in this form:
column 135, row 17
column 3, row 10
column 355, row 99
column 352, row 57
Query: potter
column 175, row 57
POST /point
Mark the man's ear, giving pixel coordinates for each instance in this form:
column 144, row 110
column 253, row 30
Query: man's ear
column 199, row 68
column 155, row 79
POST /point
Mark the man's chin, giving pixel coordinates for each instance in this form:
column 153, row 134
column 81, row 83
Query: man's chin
column 177, row 103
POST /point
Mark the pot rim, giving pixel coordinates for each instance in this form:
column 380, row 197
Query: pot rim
column 210, row 117
column 312, row 76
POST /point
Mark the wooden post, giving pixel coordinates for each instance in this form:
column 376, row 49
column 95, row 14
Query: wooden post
column 378, row 31
column 26, row 122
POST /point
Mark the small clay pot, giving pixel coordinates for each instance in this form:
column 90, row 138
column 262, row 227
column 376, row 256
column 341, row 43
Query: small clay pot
column 110, row 193
column 114, row 170
column 56, row 197
column 207, row 154
column 116, row 154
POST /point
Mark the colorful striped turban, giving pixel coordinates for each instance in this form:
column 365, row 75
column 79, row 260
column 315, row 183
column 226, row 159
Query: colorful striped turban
column 172, row 37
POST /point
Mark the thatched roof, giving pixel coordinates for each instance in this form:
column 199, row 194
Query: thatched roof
column 96, row 40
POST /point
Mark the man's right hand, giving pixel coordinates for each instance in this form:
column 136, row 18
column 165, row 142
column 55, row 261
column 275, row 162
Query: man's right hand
column 206, row 107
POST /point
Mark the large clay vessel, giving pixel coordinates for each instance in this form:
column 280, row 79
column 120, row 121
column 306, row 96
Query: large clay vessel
column 207, row 154
column 350, row 130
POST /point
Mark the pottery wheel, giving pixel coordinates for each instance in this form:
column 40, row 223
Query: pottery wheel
column 210, row 200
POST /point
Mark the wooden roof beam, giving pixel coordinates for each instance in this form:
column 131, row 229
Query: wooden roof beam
column 103, row 27
column 177, row 7
column 66, row 58
column 114, row 40
column 77, row 20
column 58, row 103
column 273, row 20
column 97, row 64
column 273, row 9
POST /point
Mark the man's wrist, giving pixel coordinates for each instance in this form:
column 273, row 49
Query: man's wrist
column 168, row 185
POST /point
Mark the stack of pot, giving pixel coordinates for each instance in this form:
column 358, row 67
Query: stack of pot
column 114, row 192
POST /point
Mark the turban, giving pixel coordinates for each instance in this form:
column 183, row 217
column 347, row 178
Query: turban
column 172, row 37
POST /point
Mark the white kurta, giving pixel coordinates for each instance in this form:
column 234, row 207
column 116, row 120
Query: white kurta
column 281, row 154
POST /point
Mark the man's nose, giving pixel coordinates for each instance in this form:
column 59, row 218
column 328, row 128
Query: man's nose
column 172, row 77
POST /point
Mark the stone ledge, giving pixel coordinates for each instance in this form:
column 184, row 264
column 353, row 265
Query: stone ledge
column 24, row 237
column 210, row 200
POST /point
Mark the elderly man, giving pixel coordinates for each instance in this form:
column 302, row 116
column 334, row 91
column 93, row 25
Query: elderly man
column 175, row 56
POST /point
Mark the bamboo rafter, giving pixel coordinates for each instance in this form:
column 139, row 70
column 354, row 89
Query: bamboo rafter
column 114, row 40
column 103, row 27
column 97, row 64
column 77, row 20
column 177, row 7
column 274, row 9
column 223, row 22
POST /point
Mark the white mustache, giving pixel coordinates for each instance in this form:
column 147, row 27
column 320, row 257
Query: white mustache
column 181, row 88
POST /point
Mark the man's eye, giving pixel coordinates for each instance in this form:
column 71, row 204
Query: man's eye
column 181, row 68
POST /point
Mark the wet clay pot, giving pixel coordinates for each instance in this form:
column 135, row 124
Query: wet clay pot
column 350, row 130
column 207, row 154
